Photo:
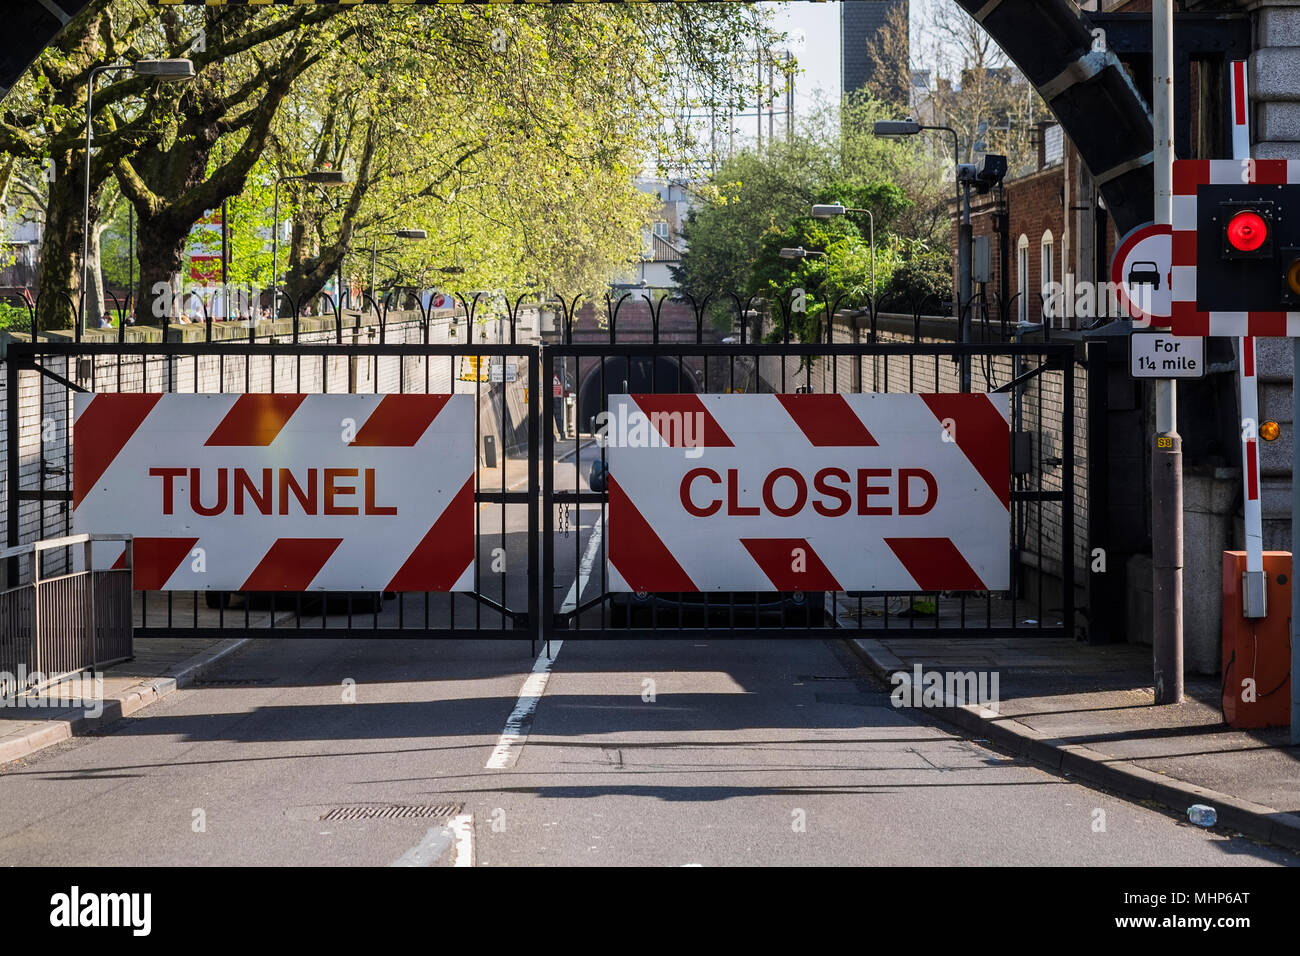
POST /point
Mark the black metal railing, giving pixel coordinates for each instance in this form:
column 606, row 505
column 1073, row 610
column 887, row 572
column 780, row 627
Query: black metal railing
column 538, row 573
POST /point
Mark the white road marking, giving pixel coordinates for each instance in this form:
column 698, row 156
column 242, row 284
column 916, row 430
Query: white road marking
column 506, row 752
column 584, row 568
column 429, row 850
column 521, row 718
column 462, row 827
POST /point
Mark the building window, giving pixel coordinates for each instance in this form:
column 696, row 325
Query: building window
column 661, row 229
column 1022, row 277
column 1047, row 275
column 1053, row 145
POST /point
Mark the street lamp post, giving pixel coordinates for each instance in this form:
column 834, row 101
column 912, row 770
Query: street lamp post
column 164, row 71
column 894, row 128
column 799, row 252
column 838, row 209
column 374, row 250
column 322, row 177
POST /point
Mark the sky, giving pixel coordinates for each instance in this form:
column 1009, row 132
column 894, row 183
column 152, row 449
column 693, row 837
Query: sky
column 818, row 24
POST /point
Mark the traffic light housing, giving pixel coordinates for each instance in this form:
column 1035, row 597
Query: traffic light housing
column 1247, row 229
column 1248, row 248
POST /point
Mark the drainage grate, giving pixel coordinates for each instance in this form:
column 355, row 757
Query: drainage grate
column 392, row 811
column 232, row 681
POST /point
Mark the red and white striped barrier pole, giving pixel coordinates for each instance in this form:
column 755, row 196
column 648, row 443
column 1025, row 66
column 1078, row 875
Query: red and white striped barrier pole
column 1254, row 589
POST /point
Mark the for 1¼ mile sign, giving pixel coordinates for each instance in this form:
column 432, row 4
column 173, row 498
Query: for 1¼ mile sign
column 1160, row 355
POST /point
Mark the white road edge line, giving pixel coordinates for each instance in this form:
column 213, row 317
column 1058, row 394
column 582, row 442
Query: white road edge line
column 584, row 568
column 429, row 850
column 506, row 752
column 462, row 828
column 517, row 724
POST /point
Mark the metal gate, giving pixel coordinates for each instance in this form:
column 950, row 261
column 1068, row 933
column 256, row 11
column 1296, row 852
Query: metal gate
column 855, row 355
column 540, row 524
column 373, row 355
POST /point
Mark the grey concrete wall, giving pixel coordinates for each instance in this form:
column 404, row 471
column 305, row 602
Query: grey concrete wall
column 1275, row 107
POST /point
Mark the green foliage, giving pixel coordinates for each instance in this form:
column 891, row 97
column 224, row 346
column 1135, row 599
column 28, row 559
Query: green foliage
column 512, row 134
column 758, row 204
column 923, row 275
column 14, row 318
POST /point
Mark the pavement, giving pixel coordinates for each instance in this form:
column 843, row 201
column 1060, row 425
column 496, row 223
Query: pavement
column 159, row 667
column 1089, row 712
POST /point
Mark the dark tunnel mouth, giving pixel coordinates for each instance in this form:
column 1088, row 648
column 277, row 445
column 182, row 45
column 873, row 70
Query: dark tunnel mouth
column 668, row 376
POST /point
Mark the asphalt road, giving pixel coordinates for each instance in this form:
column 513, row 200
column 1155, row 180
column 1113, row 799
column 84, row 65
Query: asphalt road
column 777, row 752
column 709, row 752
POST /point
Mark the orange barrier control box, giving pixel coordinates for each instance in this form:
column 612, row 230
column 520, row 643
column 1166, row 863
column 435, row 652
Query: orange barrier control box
column 1257, row 651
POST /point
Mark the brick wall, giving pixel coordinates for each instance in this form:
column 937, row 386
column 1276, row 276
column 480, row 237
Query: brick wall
column 1036, row 205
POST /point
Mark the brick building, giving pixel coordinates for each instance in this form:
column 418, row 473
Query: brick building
column 1044, row 227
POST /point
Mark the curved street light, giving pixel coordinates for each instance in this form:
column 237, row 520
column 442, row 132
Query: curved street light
column 910, row 127
column 374, row 248
column 830, row 210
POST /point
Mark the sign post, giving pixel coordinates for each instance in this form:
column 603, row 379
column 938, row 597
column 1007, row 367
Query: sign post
column 1166, row 454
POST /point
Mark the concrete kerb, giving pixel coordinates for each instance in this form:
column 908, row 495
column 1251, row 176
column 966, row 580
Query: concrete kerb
column 121, row 705
column 1091, row 766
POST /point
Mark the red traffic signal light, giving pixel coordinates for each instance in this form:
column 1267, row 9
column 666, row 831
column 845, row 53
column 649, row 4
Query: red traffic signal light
column 1247, row 231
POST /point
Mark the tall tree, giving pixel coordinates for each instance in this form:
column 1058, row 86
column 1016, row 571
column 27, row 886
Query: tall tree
column 979, row 92
column 514, row 134
column 175, row 177
column 889, row 74
column 832, row 158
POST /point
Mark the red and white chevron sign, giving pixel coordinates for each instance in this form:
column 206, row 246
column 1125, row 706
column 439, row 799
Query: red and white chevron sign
column 281, row 492
column 867, row 492
column 1189, row 175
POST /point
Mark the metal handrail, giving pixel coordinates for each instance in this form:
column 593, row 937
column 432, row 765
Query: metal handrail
column 50, row 544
